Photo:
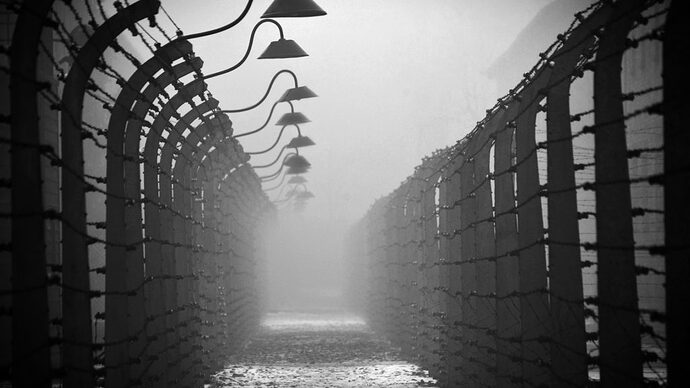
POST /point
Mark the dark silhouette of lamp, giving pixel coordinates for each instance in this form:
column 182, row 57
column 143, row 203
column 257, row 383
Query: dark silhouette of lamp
column 296, row 171
column 283, row 48
column 300, row 141
column 297, row 93
column 293, row 9
column 292, row 94
column 292, row 118
column 297, row 162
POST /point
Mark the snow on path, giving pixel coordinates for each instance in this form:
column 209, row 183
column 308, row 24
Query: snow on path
column 318, row 350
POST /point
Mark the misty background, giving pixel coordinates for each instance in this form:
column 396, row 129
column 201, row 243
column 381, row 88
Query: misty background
column 396, row 80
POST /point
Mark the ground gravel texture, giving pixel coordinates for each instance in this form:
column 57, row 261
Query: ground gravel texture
column 318, row 350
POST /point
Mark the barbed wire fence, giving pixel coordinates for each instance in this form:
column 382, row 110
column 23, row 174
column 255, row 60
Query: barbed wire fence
column 137, row 268
column 536, row 250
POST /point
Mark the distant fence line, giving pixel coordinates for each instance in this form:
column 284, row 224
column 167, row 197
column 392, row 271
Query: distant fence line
column 153, row 291
column 549, row 246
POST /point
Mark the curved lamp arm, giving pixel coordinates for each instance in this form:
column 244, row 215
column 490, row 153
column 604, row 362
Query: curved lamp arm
column 249, row 48
column 220, row 29
column 276, row 142
column 292, row 109
column 268, row 178
column 276, row 159
column 280, row 193
column 282, row 179
column 268, row 90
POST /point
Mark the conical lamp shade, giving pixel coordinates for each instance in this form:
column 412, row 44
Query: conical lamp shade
column 295, row 171
column 292, row 118
column 293, row 9
column 283, row 48
column 297, row 180
column 300, row 141
column 296, row 161
column 297, row 93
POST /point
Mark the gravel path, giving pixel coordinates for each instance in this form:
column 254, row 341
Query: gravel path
column 318, row 350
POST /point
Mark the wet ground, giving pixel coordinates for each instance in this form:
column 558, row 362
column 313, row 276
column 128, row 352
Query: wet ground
column 318, row 350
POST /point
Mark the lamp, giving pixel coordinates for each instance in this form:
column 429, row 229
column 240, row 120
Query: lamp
column 293, row 118
column 293, row 8
column 296, row 171
column 296, row 142
column 296, row 162
column 297, row 93
column 300, row 141
column 283, row 48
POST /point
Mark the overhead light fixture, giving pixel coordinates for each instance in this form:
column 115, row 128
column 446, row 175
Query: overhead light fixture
column 297, row 161
column 293, row 9
column 300, row 141
column 283, row 48
column 292, row 118
column 297, row 93
column 295, row 170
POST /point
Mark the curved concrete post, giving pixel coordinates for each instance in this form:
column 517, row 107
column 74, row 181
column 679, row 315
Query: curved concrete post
column 177, row 293
column 676, row 194
column 77, row 352
column 532, row 260
column 132, row 214
column 620, row 347
column 482, row 238
column 30, row 325
column 158, row 265
column 186, row 259
column 227, row 169
column 125, row 314
column 192, row 234
column 232, row 207
column 235, row 267
column 569, row 346
column 206, row 268
column 196, row 159
column 449, row 222
column 190, row 157
column 431, row 256
column 214, row 320
column 508, row 325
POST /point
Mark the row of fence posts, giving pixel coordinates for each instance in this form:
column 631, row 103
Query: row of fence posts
column 548, row 246
column 180, row 274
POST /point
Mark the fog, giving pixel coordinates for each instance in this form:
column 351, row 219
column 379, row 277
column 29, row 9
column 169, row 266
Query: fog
column 396, row 80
